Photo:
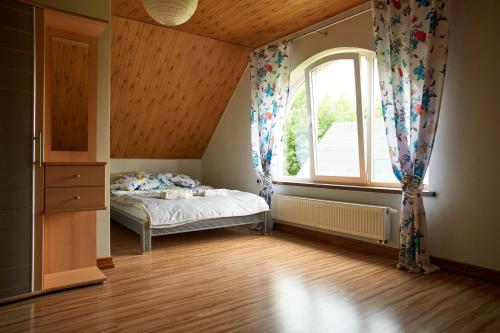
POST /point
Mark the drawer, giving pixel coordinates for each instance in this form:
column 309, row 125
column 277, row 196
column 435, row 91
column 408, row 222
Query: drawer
column 74, row 175
column 74, row 199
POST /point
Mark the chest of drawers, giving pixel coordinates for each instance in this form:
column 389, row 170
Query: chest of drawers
column 73, row 192
column 74, row 187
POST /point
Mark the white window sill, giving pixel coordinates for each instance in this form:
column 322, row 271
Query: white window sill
column 362, row 188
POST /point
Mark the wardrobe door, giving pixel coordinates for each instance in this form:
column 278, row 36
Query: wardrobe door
column 16, row 147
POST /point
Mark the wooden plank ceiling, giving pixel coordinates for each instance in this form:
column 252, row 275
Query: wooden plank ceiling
column 249, row 23
column 168, row 89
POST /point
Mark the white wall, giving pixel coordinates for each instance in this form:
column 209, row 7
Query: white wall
column 189, row 167
column 464, row 218
column 463, row 222
column 103, row 133
column 226, row 162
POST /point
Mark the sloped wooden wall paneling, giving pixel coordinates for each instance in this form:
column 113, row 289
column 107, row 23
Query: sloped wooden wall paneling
column 168, row 89
column 249, row 23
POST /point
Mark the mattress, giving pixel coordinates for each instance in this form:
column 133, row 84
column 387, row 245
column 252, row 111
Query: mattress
column 161, row 213
column 140, row 214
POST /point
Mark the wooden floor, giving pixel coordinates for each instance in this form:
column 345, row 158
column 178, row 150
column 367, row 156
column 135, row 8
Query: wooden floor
column 235, row 281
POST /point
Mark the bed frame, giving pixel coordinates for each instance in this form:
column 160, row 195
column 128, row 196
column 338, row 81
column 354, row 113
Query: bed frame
column 143, row 229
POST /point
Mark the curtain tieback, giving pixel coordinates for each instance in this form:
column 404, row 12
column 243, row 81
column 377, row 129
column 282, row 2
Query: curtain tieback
column 412, row 186
column 265, row 180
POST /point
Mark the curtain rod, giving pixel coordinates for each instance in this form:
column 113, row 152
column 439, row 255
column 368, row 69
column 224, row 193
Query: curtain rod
column 318, row 30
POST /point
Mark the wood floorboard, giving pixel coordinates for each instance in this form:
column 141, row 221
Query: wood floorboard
column 232, row 280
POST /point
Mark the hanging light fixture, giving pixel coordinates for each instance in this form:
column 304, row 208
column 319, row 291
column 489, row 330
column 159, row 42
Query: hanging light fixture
column 170, row 12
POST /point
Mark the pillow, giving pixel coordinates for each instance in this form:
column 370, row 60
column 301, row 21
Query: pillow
column 150, row 183
column 128, row 182
column 204, row 187
column 165, row 179
column 185, row 181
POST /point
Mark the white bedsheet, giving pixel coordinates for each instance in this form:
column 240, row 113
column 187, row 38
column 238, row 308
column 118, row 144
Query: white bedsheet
column 138, row 212
column 162, row 213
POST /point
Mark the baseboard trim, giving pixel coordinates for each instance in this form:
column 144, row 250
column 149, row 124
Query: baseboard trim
column 350, row 243
column 105, row 263
column 482, row 273
column 478, row 272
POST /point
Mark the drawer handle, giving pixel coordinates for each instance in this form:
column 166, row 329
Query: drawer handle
column 76, row 197
column 77, row 176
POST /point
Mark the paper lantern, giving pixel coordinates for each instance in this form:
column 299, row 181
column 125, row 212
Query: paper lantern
column 170, row 12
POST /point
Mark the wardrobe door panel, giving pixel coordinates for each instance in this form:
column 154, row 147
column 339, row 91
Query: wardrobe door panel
column 16, row 147
column 15, row 60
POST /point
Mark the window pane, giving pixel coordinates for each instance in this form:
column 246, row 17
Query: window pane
column 333, row 90
column 366, row 96
column 382, row 167
column 296, row 137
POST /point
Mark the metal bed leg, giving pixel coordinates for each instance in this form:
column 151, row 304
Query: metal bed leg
column 145, row 239
column 266, row 226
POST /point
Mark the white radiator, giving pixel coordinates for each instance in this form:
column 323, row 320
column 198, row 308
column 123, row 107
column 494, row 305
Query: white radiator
column 354, row 219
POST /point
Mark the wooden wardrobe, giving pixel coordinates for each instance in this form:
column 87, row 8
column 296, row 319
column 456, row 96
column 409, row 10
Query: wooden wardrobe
column 53, row 184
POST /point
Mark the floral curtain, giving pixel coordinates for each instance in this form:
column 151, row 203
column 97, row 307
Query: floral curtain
column 269, row 81
column 411, row 46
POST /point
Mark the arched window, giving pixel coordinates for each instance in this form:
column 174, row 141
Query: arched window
column 334, row 129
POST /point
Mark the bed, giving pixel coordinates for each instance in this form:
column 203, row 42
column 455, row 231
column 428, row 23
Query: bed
column 145, row 212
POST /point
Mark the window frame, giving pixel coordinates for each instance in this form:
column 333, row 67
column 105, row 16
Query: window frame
column 308, row 79
column 366, row 148
column 293, row 90
column 372, row 66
